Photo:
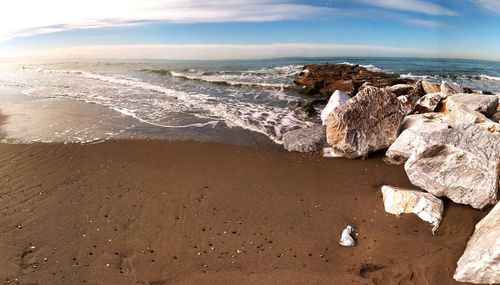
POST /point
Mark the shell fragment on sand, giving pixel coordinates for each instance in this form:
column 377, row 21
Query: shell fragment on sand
column 399, row 201
column 480, row 261
column 346, row 239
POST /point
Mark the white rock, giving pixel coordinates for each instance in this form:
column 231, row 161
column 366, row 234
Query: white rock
column 462, row 164
column 338, row 98
column 426, row 206
column 413, row 127
column 428, row 103
column 450, row 88
column 486, row 104
column 346, row 238
column 480, row 262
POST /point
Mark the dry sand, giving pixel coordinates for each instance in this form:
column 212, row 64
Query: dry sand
column 159, row 212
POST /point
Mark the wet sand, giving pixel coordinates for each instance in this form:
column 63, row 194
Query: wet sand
column 160, row 212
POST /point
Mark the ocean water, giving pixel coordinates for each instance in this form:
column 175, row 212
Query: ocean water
column 249, row 95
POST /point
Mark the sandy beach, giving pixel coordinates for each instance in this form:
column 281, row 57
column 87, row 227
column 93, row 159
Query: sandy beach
column 163, row 212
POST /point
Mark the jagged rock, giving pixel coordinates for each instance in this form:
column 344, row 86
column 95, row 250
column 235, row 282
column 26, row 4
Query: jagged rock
column 428, row 103
column 450, row 88
column 304, row 140
column 486, row 104
column 461, row 164
column 401, row 89
column 426, row 206
column 338, row 98
column 430, row 88
column 368, row 122
column 412, row 128
column 480, row 261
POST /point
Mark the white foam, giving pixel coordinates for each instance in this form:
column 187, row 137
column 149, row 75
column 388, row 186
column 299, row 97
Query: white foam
column 152, row 109
column 370, row 67
column 487, row 77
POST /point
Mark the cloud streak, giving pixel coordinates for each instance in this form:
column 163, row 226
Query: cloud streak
column 29, row 17
column 21, row 18
column 419, row 6
column 492, row 5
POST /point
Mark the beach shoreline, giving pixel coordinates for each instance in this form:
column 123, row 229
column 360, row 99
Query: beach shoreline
column 161, row 212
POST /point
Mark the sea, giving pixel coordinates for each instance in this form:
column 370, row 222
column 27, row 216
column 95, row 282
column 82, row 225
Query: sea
column 191, row 99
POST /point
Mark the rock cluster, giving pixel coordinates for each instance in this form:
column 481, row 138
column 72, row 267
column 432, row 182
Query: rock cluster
column 324, row 79
column 447, row 138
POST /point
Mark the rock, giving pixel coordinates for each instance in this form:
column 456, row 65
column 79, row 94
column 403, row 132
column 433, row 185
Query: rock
column 338, row 98
column 401, row 89
column 324, row 79
column 486, row 104
column 413, row 127
column 480, row 261
column 461, row 164
column 428, row 103
column 450, row 88
column 406, row 103
column 462, row 115
column 368, row 122
column 399, row 201
column 311, row 107
column 304, row 140
column 346, row 238
column 346, row 86
column 430, row 88
column 496, row 117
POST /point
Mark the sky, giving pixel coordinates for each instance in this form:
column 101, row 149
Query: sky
column 241, row 29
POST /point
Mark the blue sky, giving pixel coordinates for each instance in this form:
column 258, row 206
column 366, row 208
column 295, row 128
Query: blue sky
column 250, row 29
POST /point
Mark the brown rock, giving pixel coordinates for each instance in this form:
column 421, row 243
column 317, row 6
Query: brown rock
column 324, row 79
column 430, row 88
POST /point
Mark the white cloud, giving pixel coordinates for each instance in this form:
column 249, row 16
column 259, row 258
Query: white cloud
column 215, row 51
column 419, row 6
column 493, row 5
column 28, row 17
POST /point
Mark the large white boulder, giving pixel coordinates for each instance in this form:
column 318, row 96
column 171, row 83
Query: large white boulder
column 461, row 163
column 486, row 104
column 368, row 122
column 480, row 262
column 412, row 128
column 338, row 98
column 426, row 206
